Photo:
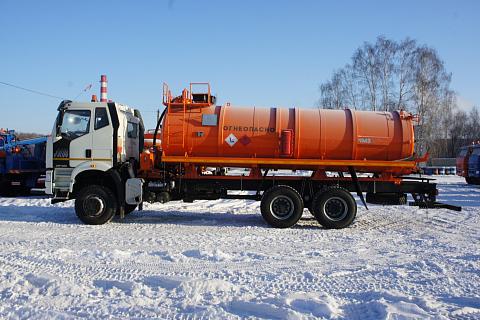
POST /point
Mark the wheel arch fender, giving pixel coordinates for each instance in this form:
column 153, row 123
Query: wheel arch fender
column 87, row 167
column 110, row 178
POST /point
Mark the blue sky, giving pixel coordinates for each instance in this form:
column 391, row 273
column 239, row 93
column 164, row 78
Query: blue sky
column 263, row 53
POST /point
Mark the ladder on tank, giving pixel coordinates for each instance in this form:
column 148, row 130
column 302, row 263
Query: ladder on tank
column 177, row 110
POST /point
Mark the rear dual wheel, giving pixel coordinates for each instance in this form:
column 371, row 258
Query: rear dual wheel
column 281, row 206
column 334, row 208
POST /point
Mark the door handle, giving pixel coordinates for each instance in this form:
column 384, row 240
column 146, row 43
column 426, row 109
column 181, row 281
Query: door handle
column 88, row 153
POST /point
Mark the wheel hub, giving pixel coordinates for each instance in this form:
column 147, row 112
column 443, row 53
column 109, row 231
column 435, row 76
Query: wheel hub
column 336, row 208
column 93, row 206
column 282, row 207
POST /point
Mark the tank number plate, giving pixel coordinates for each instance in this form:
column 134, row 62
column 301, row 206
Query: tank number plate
column 365, row 140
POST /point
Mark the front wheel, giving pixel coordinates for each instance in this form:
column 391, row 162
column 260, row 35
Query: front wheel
column 334, row 208
column 95, row 205
column 281, row 206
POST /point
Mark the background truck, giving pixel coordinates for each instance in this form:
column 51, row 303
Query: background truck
column 96, row 156
column 468, row 163
column 22, row 163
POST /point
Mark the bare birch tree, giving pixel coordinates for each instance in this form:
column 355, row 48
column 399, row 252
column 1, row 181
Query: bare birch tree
column 388, row 75
column 365, row 64
column 386, row 51
column 404, row 71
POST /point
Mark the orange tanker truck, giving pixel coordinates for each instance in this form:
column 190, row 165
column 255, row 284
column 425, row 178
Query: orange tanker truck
column 337, row 152
column 342, row 150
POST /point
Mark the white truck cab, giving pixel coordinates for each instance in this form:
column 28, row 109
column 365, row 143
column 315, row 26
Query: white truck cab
column 92, row 156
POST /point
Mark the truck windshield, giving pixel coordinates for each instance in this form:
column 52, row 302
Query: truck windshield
column 76, row 123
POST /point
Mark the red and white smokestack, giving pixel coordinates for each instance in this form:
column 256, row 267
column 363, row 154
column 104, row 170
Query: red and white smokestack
column 103, row 88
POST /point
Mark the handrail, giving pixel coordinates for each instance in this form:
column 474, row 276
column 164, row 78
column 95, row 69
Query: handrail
column 186, row 98
column 167, row 95
column 200, row 84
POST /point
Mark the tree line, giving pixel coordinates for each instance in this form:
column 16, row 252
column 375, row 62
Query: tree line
column 388, row 75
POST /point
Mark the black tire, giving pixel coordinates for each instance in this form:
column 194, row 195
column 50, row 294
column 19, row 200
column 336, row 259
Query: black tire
column 281, row 206
column 95, row 205
column 334, row 208
column 4, row 188
column 21, row 191
column 7, row 190
column 472, row 180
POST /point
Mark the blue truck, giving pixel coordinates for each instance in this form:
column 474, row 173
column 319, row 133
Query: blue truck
column 22, row 163
column 473, row 176
column 468, row 163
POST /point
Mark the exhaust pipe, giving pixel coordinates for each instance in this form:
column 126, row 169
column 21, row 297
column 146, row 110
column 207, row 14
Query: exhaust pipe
column 103, row 88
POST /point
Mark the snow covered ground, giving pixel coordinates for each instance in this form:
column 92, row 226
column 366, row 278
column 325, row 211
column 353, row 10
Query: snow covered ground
column 218, row 259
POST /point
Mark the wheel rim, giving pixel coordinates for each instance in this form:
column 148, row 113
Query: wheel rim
column 93, row 206
column 335, row 208
column 282, row 207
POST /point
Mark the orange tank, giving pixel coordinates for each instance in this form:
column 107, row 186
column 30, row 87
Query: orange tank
column 228, row 131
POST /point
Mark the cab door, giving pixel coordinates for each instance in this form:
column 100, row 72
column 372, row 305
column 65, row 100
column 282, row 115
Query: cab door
column 102, row 136
column 132, row 140
column 72, row 139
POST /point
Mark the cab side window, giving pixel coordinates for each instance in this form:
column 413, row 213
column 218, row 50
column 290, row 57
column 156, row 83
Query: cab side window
column 101, row 118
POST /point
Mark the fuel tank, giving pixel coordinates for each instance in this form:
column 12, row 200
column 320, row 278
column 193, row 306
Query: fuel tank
column 295, row 133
